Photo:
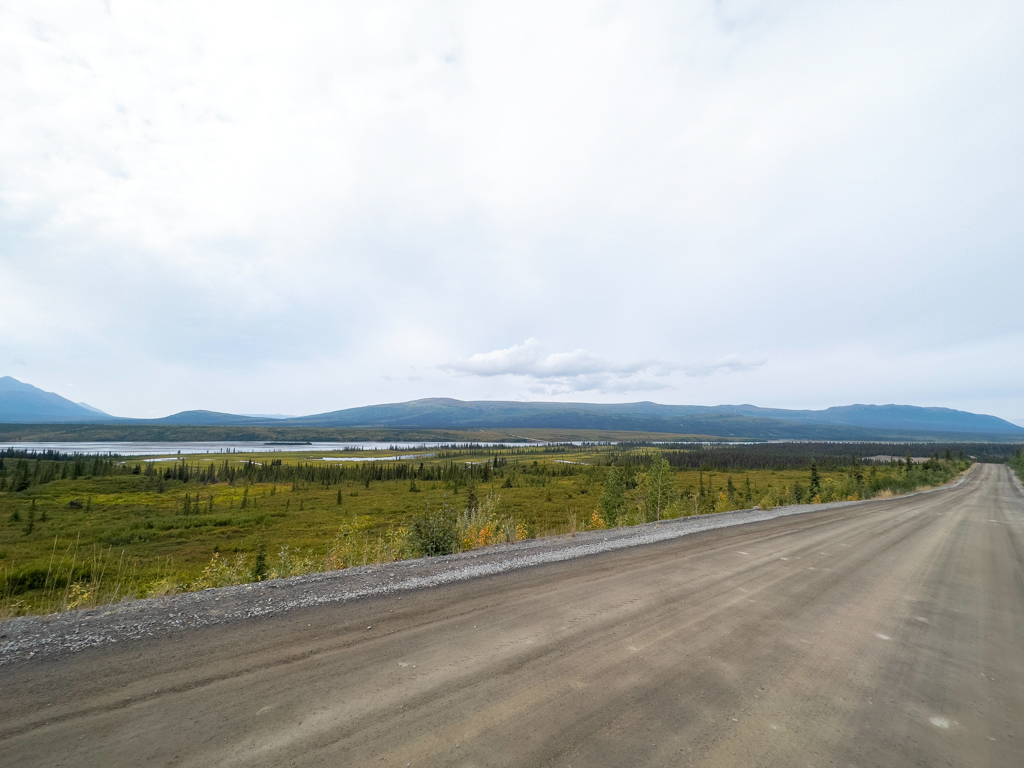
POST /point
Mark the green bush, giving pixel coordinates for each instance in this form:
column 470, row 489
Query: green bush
column 1017, row 464
column 38, row 577
column 434, row 533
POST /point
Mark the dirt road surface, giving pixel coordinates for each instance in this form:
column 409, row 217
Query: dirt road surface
column 889, row 633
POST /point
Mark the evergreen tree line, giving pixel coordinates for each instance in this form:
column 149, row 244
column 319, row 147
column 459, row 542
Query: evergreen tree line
column 24, row 469
column 21, row 469
column 634, row 493
column 454, row 451
column 47, row 455
column 457, row 472
column 828, row 456
column 21, row 472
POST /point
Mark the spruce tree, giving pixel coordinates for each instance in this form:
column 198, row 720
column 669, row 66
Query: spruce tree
column 259, row 567
column 22, row 480
column 815, row 488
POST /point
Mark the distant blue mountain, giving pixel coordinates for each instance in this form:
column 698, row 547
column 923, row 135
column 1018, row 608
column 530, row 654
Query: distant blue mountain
column 842, row 422
column 208, row 418
column 93, row 409
column 23, row 403
column 891, row 417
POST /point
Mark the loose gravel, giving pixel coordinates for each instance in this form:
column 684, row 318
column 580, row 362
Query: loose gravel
column 35, row 637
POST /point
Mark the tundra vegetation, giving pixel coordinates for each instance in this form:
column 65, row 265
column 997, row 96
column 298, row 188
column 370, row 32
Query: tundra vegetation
column 1016, row 462
column 80, row 531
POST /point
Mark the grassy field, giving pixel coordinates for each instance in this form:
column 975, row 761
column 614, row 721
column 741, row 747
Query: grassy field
column 87, row 532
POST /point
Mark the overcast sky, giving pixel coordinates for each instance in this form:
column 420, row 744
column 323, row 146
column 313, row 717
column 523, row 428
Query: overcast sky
column 299, row 207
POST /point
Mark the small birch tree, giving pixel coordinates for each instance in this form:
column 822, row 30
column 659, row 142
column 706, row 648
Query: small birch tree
column 656, row 491
column 613, row 502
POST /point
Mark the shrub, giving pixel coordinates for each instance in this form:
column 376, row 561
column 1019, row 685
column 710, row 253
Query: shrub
column 162, row 588
column 354, row 545
column 771, row 499
column 221, row 572
column 296, row 563
column 434, row 533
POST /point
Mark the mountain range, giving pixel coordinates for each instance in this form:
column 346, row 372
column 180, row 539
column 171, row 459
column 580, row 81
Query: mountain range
column 20, row 402
column 25, row 404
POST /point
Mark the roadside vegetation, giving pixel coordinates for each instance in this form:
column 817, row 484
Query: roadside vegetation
column 1016, row 463
column 80, row 531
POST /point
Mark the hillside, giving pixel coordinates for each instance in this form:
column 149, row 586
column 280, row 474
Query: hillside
column 20, row 402
column 24, row 404
column 851, row 422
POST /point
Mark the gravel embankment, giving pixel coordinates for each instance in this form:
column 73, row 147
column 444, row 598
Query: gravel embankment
column 38, row 636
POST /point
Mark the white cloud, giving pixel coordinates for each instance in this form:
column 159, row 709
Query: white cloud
column 325, row 200
column 528, row 359
column 581, row 371
column 561, row 372
column 727, row 364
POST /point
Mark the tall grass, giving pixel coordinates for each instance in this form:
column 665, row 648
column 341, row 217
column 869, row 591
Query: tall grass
column 75, row 577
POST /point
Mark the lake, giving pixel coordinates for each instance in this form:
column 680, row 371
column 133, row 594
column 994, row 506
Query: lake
column 128, row 448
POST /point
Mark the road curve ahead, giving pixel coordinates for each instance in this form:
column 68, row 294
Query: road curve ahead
column 884, row 634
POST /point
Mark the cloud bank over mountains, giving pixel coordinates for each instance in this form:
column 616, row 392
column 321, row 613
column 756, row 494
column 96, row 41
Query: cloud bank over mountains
column 583, row 371
column 576, row 371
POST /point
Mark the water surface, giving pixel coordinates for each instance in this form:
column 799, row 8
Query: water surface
column 132, row 448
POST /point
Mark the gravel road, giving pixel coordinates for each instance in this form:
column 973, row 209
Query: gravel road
column 874, row 633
